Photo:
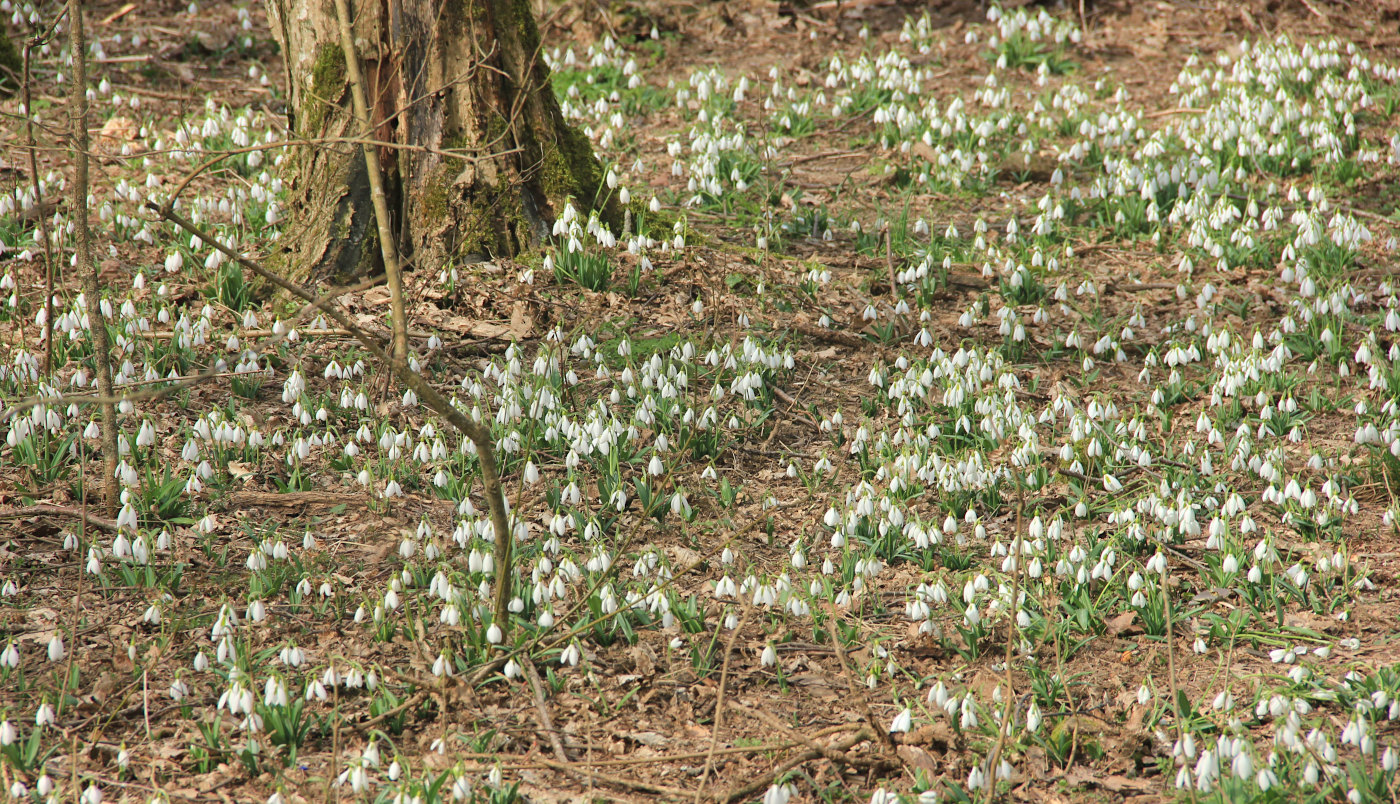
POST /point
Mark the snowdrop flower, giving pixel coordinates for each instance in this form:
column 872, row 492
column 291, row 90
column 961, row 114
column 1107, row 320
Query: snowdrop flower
column 9, row 658
column 903, row 722
column 769, row 656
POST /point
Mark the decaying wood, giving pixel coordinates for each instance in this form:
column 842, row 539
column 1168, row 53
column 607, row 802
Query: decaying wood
column 486, row 160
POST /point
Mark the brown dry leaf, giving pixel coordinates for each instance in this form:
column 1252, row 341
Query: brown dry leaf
column 643, row 659
column 458, row 323
column 821, row 685
column 240, row 470
column 937, row 735
column 1312, row 622
column 1114, row 783
column 119, row 129
column 1124, row 624
column 522, row 324
column 1135, row 717
column 544, row 789
column 650, row 739
column 919, row 758
column 485, row 329
column 102, row 690
column 695, row 731
column 215, row 40
column 683, row 557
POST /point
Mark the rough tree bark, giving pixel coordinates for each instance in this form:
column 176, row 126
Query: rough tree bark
column 477, row 158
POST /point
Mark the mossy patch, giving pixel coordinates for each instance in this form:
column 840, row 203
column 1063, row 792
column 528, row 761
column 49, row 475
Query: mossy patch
column 328, row 79
column 478, row 235
column 570, row 168
column 11, row 66
column 370, row 258
column 484, row 221
column 433, row 203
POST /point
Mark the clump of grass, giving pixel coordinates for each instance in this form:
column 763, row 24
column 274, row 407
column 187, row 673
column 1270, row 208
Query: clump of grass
column 589, row 270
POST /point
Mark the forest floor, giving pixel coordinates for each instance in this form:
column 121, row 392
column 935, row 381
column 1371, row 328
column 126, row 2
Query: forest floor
column 922, row 291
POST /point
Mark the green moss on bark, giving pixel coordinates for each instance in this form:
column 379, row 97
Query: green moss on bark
column 482, row 220
column 479, row 235
column 328, row 79
column 522, row 18
column 570, row 167
column 432, row 205
column 11, row 66
column 369, row 259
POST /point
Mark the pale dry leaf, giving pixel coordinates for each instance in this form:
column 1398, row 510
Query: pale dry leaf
column 1124, row 624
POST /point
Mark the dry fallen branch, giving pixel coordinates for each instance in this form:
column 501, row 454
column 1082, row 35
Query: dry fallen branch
column 542, row 708
column 719, row 705
column 477, row 433
column 1009, row 696
column 617, row 781
column 746, row 791
column 64, row 511
column 42, row 220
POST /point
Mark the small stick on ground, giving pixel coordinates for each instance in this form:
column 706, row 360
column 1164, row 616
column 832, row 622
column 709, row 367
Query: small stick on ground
column 775, row 723
column 546, row 722
column 796, row 408
column 78, row 592
column 889, row 263
column 617, row 781
column 1171, row 656
column 1170, row 112
column 82, row 515
column 747, row 791
column 1009, row 712
column 416, row 699
column 856, row 690
column 719, row 706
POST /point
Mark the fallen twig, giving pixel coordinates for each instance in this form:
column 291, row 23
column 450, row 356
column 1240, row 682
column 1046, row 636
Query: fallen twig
column 747, row 791
column 63, row 511
column 617, row 781
column 1170, row 112
column 546, row 722
column 477, row 433
column 719, row 706
column 856, row 690
column 792, row 403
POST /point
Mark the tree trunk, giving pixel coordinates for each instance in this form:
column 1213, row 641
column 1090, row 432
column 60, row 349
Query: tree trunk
column 476, row 156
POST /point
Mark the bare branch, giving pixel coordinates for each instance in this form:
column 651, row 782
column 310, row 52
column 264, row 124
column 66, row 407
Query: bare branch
column 97, row 322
